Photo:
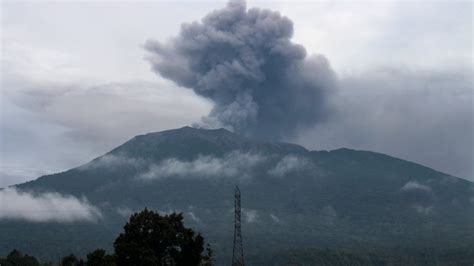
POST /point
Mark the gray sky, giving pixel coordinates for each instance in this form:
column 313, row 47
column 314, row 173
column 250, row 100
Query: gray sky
column 74, row 82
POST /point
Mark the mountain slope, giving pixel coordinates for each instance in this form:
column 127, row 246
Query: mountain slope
column 291, row 197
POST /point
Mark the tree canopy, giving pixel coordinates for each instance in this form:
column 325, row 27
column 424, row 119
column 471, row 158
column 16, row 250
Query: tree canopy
column 148, row 239
column 152, row 239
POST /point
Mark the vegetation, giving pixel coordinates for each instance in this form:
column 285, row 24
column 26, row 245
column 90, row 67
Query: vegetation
column 148, row 239
column 323, row 257
column 152, row 239
column 18, row 258
column 300, row 257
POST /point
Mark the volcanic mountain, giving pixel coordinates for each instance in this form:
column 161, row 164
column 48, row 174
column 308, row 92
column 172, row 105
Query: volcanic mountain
column 291, row 197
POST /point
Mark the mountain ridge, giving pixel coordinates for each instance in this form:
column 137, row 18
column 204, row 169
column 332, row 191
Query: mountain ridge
column 292, row 197
column 224, row 134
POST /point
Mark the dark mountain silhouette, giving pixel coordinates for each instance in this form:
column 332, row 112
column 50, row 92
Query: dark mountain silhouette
column 291, row 197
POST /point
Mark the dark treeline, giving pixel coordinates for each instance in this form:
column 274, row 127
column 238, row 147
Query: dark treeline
column 95, row 258
column 322, row 257
column 300, row 257
column 148, row 238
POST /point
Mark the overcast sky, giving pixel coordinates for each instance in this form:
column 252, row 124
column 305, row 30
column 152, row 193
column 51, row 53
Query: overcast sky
column 74, row 82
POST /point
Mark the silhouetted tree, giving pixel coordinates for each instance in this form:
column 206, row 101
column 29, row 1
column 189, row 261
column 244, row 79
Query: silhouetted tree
column 152, row 239
column 15, row 257
column 69, row 260
column 99, row 257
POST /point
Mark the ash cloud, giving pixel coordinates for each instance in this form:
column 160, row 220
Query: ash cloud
column 262, row 84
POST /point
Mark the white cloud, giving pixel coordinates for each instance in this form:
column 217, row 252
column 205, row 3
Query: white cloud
column 287, row 164
column 249, row 215
column 45, row 207
column 232, row 164
column 413, row 185
column 194, row 217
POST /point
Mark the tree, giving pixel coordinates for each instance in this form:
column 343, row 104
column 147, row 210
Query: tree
column 99, row 257
column 17, row 258
column 152, row 239
column 69, row 260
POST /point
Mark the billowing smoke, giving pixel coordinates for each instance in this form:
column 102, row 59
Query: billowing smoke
column 262, row 84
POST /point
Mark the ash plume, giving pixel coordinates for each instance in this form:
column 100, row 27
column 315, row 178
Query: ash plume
column 262, row 84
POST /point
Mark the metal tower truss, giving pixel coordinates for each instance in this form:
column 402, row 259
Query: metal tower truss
column 238, row 251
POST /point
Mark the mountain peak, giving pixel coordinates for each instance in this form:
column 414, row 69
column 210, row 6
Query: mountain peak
column 190, row 141
column 188, row 131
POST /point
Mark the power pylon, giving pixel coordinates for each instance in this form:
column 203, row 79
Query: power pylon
column 238, row 250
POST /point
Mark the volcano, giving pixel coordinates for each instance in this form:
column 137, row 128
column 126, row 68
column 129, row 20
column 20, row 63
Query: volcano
column 291, row 197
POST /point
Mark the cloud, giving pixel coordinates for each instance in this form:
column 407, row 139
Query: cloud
column 230, row 165
column 45, row 207
column 194, row 217
column 413, row 185
column 275, row 218
column 421, row 115
column 61, row 95
column 42, row 122
column 249, row 215
column 288, row 164
column 329, row 215
column 428, row 210
column 124, row 211
column 261, row 83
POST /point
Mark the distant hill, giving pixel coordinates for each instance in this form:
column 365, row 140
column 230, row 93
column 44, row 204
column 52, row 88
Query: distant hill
column 291, row 197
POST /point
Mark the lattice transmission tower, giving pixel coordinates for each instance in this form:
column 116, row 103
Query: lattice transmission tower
column 238, row 250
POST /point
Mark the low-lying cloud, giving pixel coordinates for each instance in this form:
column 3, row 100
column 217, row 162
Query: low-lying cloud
column 413, row 185
column 289, row 164
column 250, row 215
column 231, row 165
column 275, row 218
column 423, row 210
column 45, row 207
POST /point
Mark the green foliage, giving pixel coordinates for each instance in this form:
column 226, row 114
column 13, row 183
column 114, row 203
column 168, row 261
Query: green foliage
column 152, row 239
